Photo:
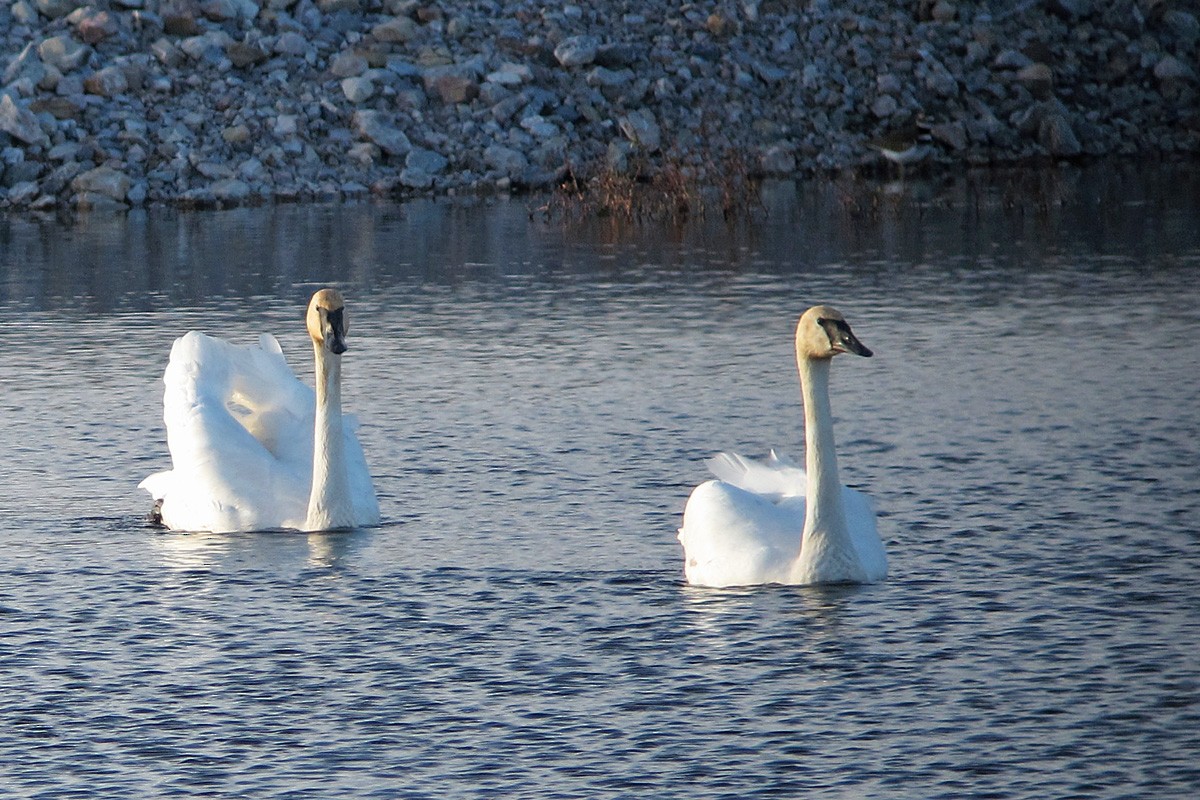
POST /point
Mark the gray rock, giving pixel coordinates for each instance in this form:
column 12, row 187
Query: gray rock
column 380, row 129
column 577, row 51
column 245, row 54
column 953, row 134
column 23, row 193
column 604, row 78
column 397, row 29
column 1011, row 59
column 291, row 43
column 425, row 160
column 27, row 64
column 884, row 106
column 56, row 8
column 641, row 128
column 20, row 123
column 1038, row 78
column 230, row 190
column 23, row 13
column 63, row 53
column 1169, row 68
column 167, row 53
column 416, row 178
column 358, row 90
column 348, row 65
column 109, row 81
column 511, row 75
column 1057, row 136
column 103, row 181
column 505, row 160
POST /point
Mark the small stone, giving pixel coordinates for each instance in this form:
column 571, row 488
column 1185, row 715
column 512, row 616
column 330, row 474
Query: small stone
column 358, row 90
column 511, row 75
column 285, row 125
column 539, row 126
column 236, row 134
column 718, row 24
column 884, row 106
column 577, row 51
column 379, row 128
column 103, row 181
column 604, row 78
column 1056, row 135
column 179, row 18
column 365, row 153
column 953, row 134
column 348, row 64
column 397, row 29
column 1038, row 78
column 245, row 54
column 167, row 53
column 56, row 8
column 23, row 13
column 1011, row 59
column 1169, row 68
column 415, row 178
column 425, row 160
column 63, row 53
column 20, row 123
column 505, row 160
column 291, row 43
column 642, row 129
column 230, row 190
column 944, row 11
column 107, row 82
column 454, row 89
column 93, row 26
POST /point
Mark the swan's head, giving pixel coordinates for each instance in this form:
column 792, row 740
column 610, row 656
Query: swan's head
column 823, row 333
column 327, row 321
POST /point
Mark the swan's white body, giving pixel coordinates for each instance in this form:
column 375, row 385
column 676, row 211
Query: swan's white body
column 252, row 447
column 769, row 522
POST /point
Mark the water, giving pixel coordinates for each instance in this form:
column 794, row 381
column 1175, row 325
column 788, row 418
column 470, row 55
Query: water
column 537, row 401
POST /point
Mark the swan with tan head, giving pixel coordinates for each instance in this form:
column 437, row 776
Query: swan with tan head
column 252, row 447
column 774, row 522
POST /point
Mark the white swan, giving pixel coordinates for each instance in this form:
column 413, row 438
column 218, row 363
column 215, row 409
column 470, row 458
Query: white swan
column 251, row 447
column 764, row 522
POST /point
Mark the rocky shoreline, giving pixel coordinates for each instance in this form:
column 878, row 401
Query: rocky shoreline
column 118, row 103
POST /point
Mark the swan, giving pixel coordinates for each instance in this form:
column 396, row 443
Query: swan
column 251, row 447
column 765, row 522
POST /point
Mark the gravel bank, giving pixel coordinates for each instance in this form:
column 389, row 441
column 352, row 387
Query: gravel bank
column 222, row 102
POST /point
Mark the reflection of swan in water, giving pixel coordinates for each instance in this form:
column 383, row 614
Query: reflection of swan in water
column 251, row 449
column 765, row 522
column 272, row 551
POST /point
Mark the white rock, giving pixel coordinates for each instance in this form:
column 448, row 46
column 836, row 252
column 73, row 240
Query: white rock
column 358, row 89
column 577, row 51
column 20, row 123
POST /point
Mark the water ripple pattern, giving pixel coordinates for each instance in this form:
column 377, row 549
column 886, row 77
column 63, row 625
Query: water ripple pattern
column 536, row 414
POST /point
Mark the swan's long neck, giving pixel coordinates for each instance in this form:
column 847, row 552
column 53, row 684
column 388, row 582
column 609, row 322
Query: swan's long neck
column 826, row 552
column 329, row 502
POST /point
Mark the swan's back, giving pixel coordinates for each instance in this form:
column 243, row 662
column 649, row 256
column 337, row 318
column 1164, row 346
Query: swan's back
column 240, row 432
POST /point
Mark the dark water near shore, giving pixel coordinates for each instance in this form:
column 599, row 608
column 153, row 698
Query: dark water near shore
column 537, row 399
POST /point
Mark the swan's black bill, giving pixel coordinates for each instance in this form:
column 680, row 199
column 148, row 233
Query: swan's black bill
column 842, row 339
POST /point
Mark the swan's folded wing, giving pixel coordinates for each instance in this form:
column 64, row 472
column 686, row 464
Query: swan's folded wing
column 362, row 488
column 860, row 520
column 776, row 479
column 732, row 537
column 237, row 444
